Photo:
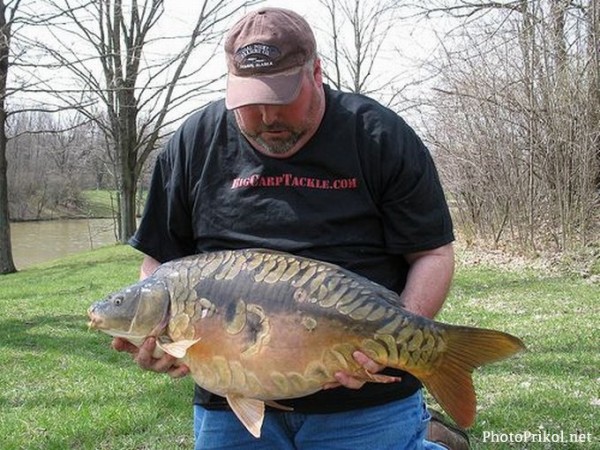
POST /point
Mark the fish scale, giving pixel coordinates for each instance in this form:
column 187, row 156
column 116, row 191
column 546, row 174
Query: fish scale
column 257, row 326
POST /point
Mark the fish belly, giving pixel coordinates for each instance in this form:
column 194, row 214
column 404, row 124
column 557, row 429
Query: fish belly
column 288, row 361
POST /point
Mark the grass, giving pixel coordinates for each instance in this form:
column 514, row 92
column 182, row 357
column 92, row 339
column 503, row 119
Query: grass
column 100, row 203
column 552, row 388
column 63, row 387
column 103, row 203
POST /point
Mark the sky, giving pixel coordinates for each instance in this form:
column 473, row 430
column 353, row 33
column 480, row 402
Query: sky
column 406, row 45
column 413, row 39
column 405, row 49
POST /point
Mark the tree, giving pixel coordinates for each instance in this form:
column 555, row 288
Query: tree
column 515, row 120
column 53, row 158
column 111, row 48
column 8, row 10
column 358, row 33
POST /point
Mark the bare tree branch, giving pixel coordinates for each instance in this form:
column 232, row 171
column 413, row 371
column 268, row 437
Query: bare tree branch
column 117, row 72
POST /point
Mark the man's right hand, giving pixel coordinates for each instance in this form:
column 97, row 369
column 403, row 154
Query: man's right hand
column 144, row 358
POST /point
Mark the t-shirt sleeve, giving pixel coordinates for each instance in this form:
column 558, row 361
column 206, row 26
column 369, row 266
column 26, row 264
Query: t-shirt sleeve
column 165, row 230
column 414, row 211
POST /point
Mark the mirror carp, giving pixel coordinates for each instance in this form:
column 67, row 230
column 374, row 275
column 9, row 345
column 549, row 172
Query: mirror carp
column 256, row 326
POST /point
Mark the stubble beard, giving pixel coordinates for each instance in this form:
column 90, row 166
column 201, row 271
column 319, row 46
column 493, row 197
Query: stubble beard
column 282, row 146
column 279, row 146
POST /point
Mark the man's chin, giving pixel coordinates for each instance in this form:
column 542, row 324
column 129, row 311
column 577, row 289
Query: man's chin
column 276, row 146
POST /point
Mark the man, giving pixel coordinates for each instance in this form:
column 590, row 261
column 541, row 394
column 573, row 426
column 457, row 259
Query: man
column 287, row 163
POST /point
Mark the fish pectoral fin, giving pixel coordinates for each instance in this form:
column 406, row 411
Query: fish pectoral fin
column 177, row 349
column 251, row 412
column 274, row 404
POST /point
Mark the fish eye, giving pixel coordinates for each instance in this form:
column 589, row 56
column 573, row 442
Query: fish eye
column 118, row 300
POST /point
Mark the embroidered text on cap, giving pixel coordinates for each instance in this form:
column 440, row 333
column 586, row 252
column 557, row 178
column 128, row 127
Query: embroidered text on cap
column 255, row 56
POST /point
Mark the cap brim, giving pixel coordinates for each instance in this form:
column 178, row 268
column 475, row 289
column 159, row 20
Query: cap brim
column 280, row 89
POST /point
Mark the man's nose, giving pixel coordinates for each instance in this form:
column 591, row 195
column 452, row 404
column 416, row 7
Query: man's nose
column 269, row 113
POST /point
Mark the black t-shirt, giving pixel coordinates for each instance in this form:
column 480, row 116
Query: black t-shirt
column 361, row 193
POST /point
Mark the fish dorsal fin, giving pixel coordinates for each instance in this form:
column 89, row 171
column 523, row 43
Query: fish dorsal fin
column 177, row 349
column 251, row 412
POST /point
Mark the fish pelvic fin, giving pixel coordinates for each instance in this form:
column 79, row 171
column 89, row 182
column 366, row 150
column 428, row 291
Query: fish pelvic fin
column 251, row 412
column 177, row 349
column 451, row 383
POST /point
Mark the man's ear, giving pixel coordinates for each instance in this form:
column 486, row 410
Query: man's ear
column 318, row 72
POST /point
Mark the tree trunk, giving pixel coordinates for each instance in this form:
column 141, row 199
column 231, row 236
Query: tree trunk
column 594, row 53
column 128, row 150
column 7, row 264
column 127, row 222
column 129, row 178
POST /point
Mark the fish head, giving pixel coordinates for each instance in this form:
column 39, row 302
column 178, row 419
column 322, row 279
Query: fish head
column 134, row 313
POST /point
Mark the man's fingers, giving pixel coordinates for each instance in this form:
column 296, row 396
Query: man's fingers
column 348, row 381
column 144, row 356
column 122, row 345
column 357, row 381
column 161, row 365
column 367, row 363
column 178, row 371
column 146, row 360
column 164, row 364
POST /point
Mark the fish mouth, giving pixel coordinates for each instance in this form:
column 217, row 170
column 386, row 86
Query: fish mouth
column 96, row 321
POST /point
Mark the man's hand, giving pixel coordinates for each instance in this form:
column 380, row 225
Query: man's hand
column 144, row 358
column 351, row 382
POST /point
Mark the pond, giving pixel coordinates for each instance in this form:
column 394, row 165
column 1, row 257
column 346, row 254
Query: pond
column 36, row 242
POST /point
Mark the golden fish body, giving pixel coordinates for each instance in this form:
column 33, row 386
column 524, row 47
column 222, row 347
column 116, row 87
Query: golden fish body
column 257, row 325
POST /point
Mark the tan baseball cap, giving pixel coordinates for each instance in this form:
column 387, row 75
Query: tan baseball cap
column 266, row 51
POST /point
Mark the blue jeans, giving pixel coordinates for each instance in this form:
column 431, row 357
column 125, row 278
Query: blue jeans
column 400, row 425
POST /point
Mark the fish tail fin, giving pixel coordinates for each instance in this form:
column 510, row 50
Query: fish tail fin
column 451, row 383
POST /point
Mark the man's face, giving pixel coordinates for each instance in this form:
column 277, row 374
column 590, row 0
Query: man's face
column 281, row 130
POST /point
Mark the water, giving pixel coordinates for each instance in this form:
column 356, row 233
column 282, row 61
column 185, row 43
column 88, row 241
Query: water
column 36, row 242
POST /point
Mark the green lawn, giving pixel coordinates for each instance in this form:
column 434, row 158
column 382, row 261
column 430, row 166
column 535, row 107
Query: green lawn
column 103, row 203
column 63, row 387
column 551, row 390
column 100, row 203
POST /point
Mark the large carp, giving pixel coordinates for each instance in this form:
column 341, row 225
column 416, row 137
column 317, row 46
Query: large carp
column 256, row 326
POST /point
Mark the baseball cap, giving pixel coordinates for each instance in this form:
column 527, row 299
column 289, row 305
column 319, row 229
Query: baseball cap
column 266, row 51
